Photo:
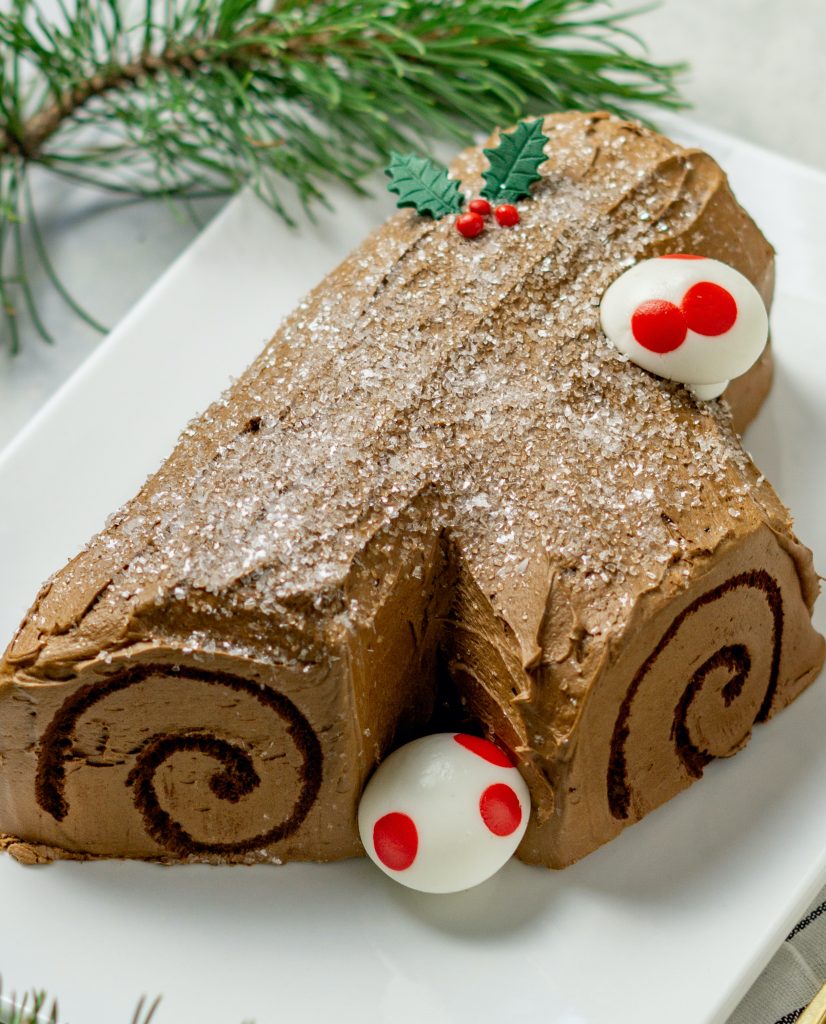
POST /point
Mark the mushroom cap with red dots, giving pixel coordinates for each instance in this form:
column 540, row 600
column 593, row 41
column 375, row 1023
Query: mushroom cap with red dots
column 686, row 318
column 444, row 812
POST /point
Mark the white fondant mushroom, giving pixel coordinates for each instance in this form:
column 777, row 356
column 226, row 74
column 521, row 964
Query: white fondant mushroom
column 444, row 812
column 687, row 318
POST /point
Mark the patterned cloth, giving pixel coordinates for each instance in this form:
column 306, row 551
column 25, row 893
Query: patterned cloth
column 794, row 975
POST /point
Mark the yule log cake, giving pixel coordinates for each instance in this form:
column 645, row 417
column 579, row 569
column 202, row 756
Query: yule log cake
column 439, row 487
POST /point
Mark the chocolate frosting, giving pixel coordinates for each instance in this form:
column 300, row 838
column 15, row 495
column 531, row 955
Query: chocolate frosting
column 437, row 488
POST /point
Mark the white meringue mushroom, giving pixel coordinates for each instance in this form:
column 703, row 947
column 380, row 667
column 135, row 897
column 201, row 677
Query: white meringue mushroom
column 444, row 812
column 687, row 318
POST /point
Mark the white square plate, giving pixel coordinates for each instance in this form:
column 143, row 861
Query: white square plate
column 672, row 921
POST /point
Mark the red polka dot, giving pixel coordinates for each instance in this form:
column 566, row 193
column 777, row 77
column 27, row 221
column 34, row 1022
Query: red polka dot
column 659, row 326
column 396, row 840
column 500, row 809
column 484, row 749
column 709, row 309
column 680, row 256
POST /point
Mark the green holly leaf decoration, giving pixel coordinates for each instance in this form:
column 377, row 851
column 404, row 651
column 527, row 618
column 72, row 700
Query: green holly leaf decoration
column 424, row 185
column 514, row 163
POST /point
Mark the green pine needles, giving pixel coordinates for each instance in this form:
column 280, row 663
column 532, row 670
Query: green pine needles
column 184, row 97
column 29, row 1010
column 34, row 1008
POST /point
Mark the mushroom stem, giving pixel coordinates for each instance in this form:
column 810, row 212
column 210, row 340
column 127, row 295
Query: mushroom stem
column 708, row 391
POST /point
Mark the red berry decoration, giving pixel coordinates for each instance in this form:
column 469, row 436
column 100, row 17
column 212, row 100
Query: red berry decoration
column 470, row 224
column 507, row 215
column 481, row 206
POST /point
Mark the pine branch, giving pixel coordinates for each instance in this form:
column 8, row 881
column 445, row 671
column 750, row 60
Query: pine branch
column 28, row 1010
column 32, row 1007
column 194, row 96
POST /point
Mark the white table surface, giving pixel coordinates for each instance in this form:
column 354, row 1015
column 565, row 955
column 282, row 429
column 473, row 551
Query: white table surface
column 757, row 72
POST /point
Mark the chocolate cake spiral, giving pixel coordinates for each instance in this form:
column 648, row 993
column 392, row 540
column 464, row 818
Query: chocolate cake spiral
column 730, row 666
column 235, row 779
column 439, row 489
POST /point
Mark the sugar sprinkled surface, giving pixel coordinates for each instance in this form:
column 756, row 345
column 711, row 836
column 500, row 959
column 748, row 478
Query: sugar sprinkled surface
column 465, row 386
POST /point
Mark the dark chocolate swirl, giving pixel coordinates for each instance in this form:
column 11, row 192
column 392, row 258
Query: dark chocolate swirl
column 734, row 658
column 235, row 778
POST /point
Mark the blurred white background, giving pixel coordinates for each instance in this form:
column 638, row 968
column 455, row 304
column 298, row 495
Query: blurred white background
column 757, row 70
column 758, row 67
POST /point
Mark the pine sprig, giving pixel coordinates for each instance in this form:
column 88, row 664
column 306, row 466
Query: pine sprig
column 32, row 1006
column 187, row 97
column 28, row 1011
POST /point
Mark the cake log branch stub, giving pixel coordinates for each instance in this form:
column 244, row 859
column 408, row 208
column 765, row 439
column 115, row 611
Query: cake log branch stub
column 708, row 663
column 450, row 470
column 734, row 659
